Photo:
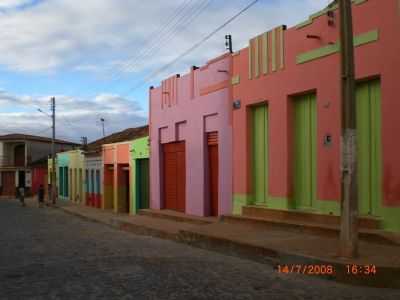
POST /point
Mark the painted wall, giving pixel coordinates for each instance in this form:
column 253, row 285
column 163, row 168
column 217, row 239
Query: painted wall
column 39, row 177
column 116, row 159
column 139, row 149
column 71, row 162
column 93, row 184
column 77, row 169
column 184, row 109
column 49, row 174
column 281, row 64
column 63, row 181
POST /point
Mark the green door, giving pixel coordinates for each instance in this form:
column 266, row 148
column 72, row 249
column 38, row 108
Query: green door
column 369, row 146
column 66, row 183
column 61, row 181
column 305, row 151
column 260, row 154
column 142, row 183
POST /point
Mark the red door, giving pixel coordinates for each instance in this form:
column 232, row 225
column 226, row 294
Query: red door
column 174, row 176
column 212, row 140
column 8, row 183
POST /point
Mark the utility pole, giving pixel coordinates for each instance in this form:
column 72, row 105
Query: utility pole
column 102, row 123
column 349, row 194
column 53, row 152
column 228, row 43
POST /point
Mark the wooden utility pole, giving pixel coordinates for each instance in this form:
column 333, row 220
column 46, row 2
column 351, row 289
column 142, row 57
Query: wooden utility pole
column 53, row 152
column 228, row 43
column 349, row 195
column 102, row 124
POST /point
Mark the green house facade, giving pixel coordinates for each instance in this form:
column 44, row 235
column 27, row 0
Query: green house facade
column 139, row 179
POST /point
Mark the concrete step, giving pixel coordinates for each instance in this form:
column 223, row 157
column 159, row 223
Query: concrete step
column 177, row 216
column 277, row 247
column 295, row 216
column 328, row 230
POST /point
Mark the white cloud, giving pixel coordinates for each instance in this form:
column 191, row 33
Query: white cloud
column 5, row 4
column 90, row 35
column 108, row 38
column 75, row 117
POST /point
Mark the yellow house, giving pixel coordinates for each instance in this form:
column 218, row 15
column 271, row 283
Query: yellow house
column 71, row 176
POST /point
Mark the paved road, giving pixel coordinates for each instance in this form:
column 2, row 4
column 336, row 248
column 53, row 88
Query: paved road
column 47, row 254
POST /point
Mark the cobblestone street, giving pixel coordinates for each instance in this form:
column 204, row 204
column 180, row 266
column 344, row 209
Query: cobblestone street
column 47, row 254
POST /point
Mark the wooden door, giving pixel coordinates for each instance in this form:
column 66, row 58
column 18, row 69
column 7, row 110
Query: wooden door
column 142, row 183
column 174, row 176
column 212, row 140
column 127, row 203
column 8, row 183
column 260, row 154
column 369, row 147
column 305, row 152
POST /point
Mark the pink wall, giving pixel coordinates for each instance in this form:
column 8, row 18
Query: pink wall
column 185, row 108
column 380, row 58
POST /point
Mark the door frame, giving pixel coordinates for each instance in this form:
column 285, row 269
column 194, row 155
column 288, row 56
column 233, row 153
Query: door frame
column 163, row 175
column 212, row 142
column 253, row 107
column 313, row 150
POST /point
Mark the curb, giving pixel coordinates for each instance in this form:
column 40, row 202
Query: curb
column 386, row 277
column 125, row 226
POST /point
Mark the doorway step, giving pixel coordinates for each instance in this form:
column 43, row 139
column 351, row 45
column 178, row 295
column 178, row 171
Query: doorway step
column 177, row 216
column 308, row 222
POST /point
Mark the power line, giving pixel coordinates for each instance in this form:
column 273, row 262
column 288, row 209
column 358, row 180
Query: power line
column 182, row 17
column 183, row 21
column 155, row 35
column 199, row 43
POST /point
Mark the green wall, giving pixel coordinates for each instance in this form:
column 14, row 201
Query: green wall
column 139, row 150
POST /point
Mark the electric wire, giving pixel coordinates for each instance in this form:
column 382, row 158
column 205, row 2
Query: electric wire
column 188, row 51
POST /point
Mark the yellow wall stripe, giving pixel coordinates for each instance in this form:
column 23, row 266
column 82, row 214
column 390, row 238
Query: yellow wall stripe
column 256, row 58
column 282, row 46
column 273, row 50
column 265, row 52
column 250, row 60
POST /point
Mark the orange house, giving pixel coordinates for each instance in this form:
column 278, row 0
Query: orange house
column 116, row 177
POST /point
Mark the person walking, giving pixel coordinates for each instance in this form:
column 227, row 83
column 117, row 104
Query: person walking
column 21, row 195
column 41, row 196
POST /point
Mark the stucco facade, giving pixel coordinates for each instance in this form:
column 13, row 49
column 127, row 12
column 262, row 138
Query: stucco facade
column 116, row 159
column 139, row 175
column 94, row 178
column 287, row 84
column 71, row 176
column 184, row 110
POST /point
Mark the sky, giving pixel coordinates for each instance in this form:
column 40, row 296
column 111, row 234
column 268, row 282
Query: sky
column 99, row 57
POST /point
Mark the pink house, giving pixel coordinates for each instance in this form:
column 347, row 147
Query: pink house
column 191, row 141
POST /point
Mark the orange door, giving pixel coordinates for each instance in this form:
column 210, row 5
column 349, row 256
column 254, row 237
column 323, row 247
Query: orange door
column 174, row 176
column 213, row 171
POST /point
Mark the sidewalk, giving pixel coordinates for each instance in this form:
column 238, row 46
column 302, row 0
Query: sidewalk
column 303, row 253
